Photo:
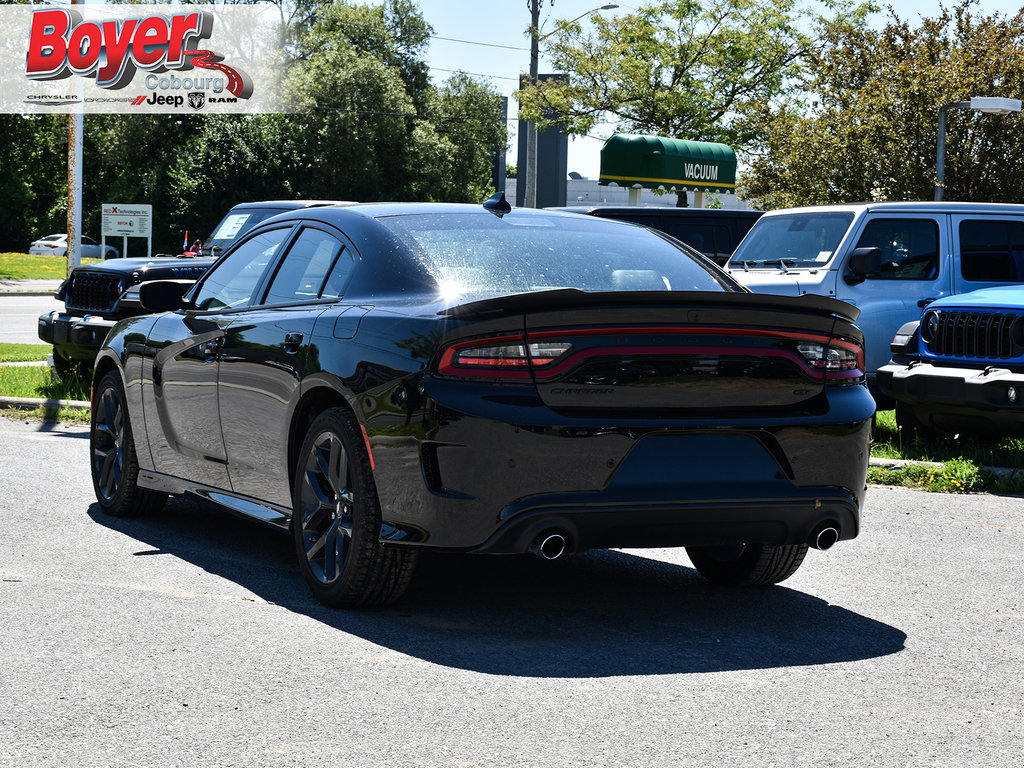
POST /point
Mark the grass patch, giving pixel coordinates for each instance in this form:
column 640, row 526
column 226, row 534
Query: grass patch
column 22, row 266
column 955, row 476
column 23, row 353
column 892, row 443
column 37, row 381
column 61, row 415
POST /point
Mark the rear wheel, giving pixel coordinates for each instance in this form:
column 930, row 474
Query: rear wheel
column 747, row 565
column 337, row 520
column 67, row 367
column 115, row 470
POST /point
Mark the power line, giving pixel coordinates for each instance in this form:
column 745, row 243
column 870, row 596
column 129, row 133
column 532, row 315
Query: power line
column 476, row 74
column 474, row 42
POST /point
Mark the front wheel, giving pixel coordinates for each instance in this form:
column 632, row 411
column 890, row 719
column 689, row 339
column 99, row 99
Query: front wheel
column 747, row 565
column 336, row 519
column 115, row 469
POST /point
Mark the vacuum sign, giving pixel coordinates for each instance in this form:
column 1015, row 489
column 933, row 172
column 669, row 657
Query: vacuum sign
column 127, row 220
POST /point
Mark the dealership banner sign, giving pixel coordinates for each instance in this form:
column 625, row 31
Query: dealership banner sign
column 139, row 59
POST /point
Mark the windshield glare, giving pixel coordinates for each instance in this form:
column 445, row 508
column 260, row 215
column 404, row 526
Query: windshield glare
column 792, row 240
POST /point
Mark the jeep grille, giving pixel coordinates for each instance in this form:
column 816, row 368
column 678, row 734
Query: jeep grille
column 977, row 335
column 96, row 291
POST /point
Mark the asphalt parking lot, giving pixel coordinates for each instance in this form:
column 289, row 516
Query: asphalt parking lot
column 189, row 639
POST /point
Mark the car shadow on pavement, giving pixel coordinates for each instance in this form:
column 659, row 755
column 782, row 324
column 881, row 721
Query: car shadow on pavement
column 603, row 613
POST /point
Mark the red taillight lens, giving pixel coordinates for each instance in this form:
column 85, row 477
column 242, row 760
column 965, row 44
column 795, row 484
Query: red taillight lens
column 504, row 357
column 840, row 361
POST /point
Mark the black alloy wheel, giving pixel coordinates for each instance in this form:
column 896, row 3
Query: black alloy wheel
column 337, row 521
column 747, row 565
column 115, row 469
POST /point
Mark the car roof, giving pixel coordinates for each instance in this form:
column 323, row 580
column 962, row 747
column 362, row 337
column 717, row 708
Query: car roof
column 918, row 207
column 288, row 204
column 657, row 210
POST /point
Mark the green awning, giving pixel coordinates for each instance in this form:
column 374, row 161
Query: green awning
column 654, row 161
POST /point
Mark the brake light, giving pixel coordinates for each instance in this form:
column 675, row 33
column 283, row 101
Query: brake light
column 504, row 357
column 840, row 361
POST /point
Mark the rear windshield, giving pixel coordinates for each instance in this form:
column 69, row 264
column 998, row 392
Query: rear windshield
column 234, row 225
column 792, row 240
column 480, row 253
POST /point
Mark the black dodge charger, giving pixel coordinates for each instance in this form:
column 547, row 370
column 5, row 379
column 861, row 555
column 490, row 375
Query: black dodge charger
column 385, row 379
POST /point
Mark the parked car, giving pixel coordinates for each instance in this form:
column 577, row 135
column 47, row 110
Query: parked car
column 960, row 369
column 57, row 245
column 244, row 216
column 888, row 259
column 384, row 379
column 96, row 296
column 715, row 232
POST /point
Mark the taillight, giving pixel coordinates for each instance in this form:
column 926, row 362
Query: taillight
column 507, row 357
column 842, row 362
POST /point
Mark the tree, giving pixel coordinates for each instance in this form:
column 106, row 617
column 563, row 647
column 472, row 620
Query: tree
column 681, row 68
column 870, row 131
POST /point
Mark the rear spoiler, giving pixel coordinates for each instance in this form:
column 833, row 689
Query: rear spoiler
column 568, row 298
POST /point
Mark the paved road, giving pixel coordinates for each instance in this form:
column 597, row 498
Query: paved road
column 19, row 317
column 189, row 639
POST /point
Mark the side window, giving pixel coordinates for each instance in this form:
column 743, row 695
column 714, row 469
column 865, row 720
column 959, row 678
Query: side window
column 304, row 268
column 233, row 280
column 910, row 248
column 992, row 251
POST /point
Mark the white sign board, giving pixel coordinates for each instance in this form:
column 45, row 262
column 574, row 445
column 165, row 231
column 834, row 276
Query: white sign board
column 128, row 220
column 124, row 220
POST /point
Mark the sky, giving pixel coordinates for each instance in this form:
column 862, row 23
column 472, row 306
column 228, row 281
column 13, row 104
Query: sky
column 497, row 47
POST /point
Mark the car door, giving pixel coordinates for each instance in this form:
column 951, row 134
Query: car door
column 990, row 251
column 915, row 270
column 265, row 355
column 181, row 403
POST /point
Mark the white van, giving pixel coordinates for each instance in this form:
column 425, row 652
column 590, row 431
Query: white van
column 888, row 259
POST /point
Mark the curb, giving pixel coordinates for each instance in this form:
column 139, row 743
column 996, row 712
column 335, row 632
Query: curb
column 31, row 403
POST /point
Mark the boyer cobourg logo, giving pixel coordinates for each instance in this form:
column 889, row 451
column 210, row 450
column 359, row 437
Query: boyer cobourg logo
column 114, row 51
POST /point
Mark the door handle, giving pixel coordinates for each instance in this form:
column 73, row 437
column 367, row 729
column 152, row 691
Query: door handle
column 292, row 342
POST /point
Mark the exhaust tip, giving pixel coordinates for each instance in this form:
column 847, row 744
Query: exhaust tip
column 824, row 537
column 549, row 546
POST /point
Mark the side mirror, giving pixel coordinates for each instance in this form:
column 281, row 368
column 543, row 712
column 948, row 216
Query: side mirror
column 161, row 295
column 863, row 262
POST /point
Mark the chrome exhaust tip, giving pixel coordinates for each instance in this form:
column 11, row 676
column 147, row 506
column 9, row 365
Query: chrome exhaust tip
column 549, row 546
column 824, row 537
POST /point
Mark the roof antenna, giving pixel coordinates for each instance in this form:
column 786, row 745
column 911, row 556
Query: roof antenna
column 497, row 204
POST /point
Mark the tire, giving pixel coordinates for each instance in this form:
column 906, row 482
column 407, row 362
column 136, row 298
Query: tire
column 67, row 367
column 747, row 565
column 115, row 469
column 336, row 519
column 912, row 426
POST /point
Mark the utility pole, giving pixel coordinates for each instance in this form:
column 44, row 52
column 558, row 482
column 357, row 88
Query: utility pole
column 530, row 200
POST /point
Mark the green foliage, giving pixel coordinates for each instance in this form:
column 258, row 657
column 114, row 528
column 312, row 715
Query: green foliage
column 678, row 68
column 367, row 125
column 955, row 476
column 866, row 126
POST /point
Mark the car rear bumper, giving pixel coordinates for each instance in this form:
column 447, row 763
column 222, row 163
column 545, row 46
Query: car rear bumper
column 487, row 486
column 946, row 397
column 78, row 338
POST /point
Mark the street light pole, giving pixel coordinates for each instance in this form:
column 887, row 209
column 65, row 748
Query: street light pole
column 988, row 105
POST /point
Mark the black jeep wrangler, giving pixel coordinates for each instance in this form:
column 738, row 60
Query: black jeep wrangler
column 96, row 296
